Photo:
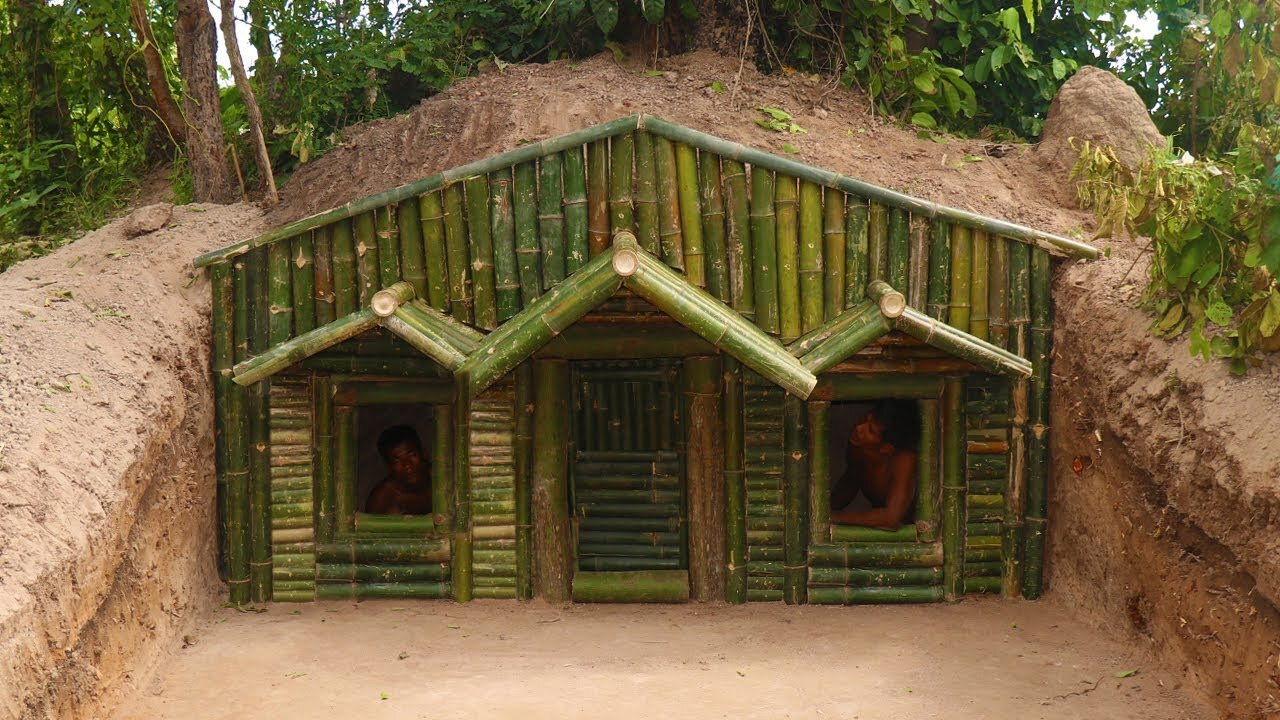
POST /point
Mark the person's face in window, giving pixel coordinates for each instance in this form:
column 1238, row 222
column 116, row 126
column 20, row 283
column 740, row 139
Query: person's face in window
column 405, row 462
column 868, row 433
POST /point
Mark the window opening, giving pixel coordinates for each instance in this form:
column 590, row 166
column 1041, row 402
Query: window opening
column 874, row 462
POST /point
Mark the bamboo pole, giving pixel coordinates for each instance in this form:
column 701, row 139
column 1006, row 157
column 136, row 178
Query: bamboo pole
column 796, row 499
column 280, row 295
column 412, row 259
column 598, row 197
column 857, row 253
column 647, row 586
column 833, row 253
column 457, row 254
column 462, row 551
column 873, row 577
column 877, row 242
column 764, row 243
column 621, row 156
column 738, row 246
column 503, row 223
column 879, row 554
column 686, row 178
column 388, row 239
column 819, row 473
column 283, row 355
column 324, row 477
column 939, row 296
column 928, row 494
column 425, row 339
column 528, row 249
column 811, row 261
column 872, row 595
column 229, row 326
column 859, row 534
column 670, row 232
column 735, row 484
column 788, row 257
column 368, row 268
column 431, row 215
column 944, row 337
column 898, row 251
column 442, row 469
column 376, row 551
column 953, row 453
column 979, row 313
column 998, row 292
column 1015, row 492
column 918, row 264
column 345, row 293
column 855, row 329
column 524, row 458
column 706, row 316
column 268, row 291
column 595, row 341
column 575, row 210
column 303, row 269
column 873, row 387
column 647, row 194
column 481, row 256
column 961, row 277
column 713, row 226
column 552, row 550
column 704, row 472
column 551, row 219
column 345, row 468
column 1037, row 496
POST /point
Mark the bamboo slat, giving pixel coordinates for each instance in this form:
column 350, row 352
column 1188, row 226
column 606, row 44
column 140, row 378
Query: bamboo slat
column 764, row 245
column 481, row 242
column 738, row 245
column 575, row 210
column 695, row 265
column 431, row 215
column 551, row 219
column 786, row 208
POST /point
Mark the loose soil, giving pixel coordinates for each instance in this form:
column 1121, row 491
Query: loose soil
column 1166, row 543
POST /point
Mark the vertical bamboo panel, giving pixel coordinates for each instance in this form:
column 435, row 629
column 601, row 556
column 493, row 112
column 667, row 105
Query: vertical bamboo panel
column 575, row 210
column 795, row 500
column 412, row 260
column 979, row 314
column 388, row 246
column 463, row 560
column 927, row 488
column 811, row 260
column 764, row 241
column 621, row 155
column 523, row 485
column 322, row 255
column 480, row 234
column 457, row 254
column 291, row 502
column 1038, row 420
column 713, row 225
column 998, row 292
column 303, row 269
column 442, row 470
column 898, row 256
column 735, row 484
column 939, row 296
column 1019, row 299
column 961, row 271
column 738, row 245
column 704, row 467
column 695, row 254
column 431, row 214
column 857, row 259
column 528, row 250
column 322, row 459
column 368, row 271
column 552, row 547
column 670, row 236
column 918, row 275
column 788, row 257
column 346, row 281
column 229, row 325
column 598, row 197
column 647, row 195
column 345, row 468
column 877, row 242
column 820, row 473
column 953, row 488
column 551, row 219
column 279, row 280
column 1015, row 493
column 269, row 323
column 502, row 222
column 833, row 254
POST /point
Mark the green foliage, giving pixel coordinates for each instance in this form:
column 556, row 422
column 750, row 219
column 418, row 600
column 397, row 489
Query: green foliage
column 1215, row 239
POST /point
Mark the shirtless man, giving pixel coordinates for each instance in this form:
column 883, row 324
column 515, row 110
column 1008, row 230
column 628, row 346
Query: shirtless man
column 406, row 490
column 879, row 469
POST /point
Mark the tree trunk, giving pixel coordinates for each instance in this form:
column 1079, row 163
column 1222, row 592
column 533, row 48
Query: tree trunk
column 168, row 114
column 206, row 151
column 250, row 102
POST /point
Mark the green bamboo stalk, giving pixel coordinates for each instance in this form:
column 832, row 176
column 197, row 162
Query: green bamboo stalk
column 593, row 341
column 858, row 534
column 388, row 246
column 795, row 478
column 373, row 591
column 378, row 573
column 575, row 210
column 877, row 555
column 523, row 445
column 764, row 242
column 303, row 269
column 849, row 333
column 944, row 337
column 462, row 552
column 877, row 242
column 872, row 595
column 695, row 260
column 412, row 260
column 857, row 252
column 335, row 274
column 979, row 315
column 372, row 365
column 897, row 253
column 1037, row 496
column 735, row 489
column 442, row 469
column 367, row 524
column 503, row 224
column 928, row 493
column 953, row 488
column 838, row 387
column 648, row 586
column 374, row 551
column 918, row 264
column 457, row 254
column 788, row 257
column 1019, row 299
column 552, row 550
column 1015, row 486
column 426, row 339
column 713, row 226
column 482, row 261
column 598, row 235
column 738, row 246
column 528, row 250
column 551, row 219
column 670, row 236
column 621, row 156
column 998, row 292
column 229, row 321
column 323, row 464
column 819, row 473
column 647, row 195
column 812, row 276
column 262, row 330
column 280, row 289
column 961, row 277
column 431, row 214
column 833, row 253
column 939, row 296
column 285, row 354
column 368, row 273
column 873, row 577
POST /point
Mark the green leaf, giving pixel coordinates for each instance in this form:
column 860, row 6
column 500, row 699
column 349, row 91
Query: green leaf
column 1219, row 313
column 1028, row 11
column 653, row 73
column 982, row 69
column 1270, row 257
column 653, row 10
column 924, row 120
column 1170, row 319
column 790, row 149
column 1059, row 69
column 1206, row 273
column 1126, row 673
column 717, row 87
column 1221, row 23
column 924, row 83
column 1270, row 315
column 606, row 14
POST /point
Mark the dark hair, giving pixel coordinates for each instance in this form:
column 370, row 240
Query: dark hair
column 901, row 421
column 395, row 435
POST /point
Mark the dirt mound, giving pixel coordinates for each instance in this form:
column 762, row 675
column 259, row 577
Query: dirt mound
column 502, row 110
column 1096, row 106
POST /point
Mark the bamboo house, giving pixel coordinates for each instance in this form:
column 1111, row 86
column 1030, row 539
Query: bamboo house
column 628, row 352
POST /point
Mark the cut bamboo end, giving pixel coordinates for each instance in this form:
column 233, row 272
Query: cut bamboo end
column 386, row 301
column 625, row 260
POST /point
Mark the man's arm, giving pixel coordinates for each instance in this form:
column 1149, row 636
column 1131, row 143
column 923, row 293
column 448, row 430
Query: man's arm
column 382, row 501
column 902, row 490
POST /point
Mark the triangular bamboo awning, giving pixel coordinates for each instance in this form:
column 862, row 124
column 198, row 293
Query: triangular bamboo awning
column 478, row 360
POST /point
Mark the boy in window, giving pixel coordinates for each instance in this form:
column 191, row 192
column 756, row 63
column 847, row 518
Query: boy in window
column 881, row 455
column 406, row 490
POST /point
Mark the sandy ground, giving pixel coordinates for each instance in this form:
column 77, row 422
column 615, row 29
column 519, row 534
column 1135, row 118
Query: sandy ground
column 492, row 659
